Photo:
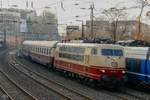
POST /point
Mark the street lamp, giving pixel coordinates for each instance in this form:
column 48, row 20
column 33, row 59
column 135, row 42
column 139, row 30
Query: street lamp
column 91, row 17
column 82, row 28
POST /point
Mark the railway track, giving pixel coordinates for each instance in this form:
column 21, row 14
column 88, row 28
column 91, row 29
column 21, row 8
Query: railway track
column 37, row 90
column 14, row 91
column 137, row 94
column 58, row 88
column 4, row 95
column 121, row 95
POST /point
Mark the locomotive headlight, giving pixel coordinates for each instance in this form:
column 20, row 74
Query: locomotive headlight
column 123, row 72
column 103, row 71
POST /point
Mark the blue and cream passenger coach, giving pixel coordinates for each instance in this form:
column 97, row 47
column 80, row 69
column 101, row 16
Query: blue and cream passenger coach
column 138, row 64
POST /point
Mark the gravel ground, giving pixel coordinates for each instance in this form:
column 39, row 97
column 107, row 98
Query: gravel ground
column 54, row 86
column 15, row 92
column 97, row 94
column 3, row 95
column 31, row 86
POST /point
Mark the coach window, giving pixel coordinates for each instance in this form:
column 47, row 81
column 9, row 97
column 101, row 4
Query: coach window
column 31, row 48
column 94, row 51
column 40, row 50
column 46, row 51
column 43, row 50
column 61, row 48
column 49, row 51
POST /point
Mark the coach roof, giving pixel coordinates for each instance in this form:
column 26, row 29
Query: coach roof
column 88, row 45
column 40, row 43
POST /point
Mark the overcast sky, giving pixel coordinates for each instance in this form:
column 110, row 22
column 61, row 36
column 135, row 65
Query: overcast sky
column 67, row 15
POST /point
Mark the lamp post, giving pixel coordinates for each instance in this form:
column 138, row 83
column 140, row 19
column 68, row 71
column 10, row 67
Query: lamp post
column 91, row 17
column 82, row 35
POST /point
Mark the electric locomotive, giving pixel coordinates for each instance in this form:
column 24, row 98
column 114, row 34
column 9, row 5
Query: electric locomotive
column 100, row 63
column 103, row 63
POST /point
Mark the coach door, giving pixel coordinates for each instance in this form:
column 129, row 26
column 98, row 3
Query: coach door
column 148, row 65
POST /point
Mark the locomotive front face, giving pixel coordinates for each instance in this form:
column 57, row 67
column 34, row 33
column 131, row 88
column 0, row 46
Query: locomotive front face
column 115, row 61
column 111, row 57
column 110, row 61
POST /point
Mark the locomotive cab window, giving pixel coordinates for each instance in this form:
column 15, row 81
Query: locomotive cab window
column 111, row 52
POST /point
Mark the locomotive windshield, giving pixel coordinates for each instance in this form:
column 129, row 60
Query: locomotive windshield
column 112, row 52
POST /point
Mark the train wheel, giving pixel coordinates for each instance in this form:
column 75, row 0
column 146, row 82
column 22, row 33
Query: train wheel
column 49, row 66
column 92, row 83
column 85, row 81
column 72, row 75
column 81, row 79
column 76, row 76
column 65, row 73
column 69, row 74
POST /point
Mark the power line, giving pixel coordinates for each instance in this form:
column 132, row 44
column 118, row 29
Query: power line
column 52, row 4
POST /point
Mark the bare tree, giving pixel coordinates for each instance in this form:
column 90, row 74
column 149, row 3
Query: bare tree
column 114, row 15
column 143, row 4
column 123, row 31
